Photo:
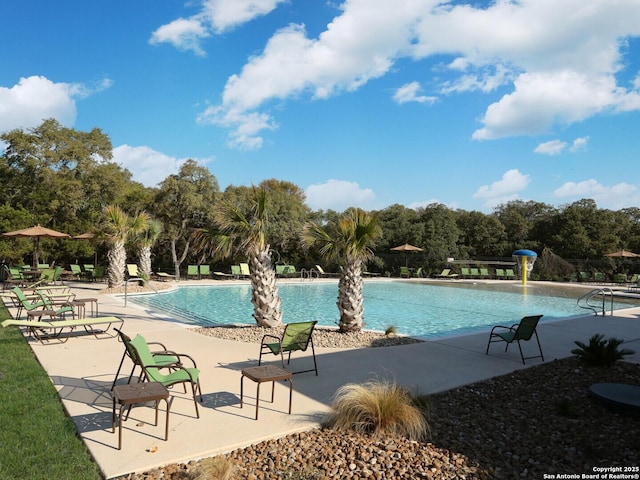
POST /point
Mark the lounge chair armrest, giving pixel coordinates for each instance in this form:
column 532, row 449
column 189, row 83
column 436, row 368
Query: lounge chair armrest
column 503, row 327
column 158, row 343
column 277, row 339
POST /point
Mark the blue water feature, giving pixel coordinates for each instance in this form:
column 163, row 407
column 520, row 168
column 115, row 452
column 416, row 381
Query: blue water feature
column 416, row 309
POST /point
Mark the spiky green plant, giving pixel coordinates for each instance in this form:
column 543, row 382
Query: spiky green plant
column 600, row 352
column 391, row 331
column 378, row 408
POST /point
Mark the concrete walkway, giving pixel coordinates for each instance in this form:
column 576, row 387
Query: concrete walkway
column 83, row 368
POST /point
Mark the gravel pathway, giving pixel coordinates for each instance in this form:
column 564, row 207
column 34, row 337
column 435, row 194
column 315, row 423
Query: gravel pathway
column 524, row 425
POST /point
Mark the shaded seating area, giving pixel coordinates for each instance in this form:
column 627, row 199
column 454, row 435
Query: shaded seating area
column 297, row 337
column 517, row 332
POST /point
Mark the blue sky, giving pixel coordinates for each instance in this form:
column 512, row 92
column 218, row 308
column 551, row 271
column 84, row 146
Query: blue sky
column 359, row 102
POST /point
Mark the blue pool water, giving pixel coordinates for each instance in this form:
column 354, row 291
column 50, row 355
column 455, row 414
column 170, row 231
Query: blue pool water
column 414, row 309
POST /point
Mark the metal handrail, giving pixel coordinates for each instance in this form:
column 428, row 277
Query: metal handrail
column 585, row 300
column 136, row 279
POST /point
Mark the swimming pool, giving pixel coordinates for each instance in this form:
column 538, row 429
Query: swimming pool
column 417, row 309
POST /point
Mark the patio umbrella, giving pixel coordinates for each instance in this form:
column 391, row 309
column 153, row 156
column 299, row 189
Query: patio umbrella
column 622, row 254
column 36, row 233
column 89, row 236
column 406, row 248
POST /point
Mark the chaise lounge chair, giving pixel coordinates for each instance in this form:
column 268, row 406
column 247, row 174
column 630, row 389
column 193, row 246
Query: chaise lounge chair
column 44, row 331
column 296, row 337
column 515, row 333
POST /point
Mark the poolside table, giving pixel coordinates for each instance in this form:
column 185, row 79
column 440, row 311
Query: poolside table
column 133, row 393
column 266, row 373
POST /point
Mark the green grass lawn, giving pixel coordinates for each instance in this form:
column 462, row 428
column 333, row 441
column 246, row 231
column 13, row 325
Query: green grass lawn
column 37, row 439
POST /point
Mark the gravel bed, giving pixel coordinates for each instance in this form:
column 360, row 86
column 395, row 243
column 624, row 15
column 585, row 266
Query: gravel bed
column 322, row 337
column 524, row 425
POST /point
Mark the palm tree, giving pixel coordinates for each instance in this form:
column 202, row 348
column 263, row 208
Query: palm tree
column 115, row 229
column 247, row 233
column 350, row 239
column 145, row 240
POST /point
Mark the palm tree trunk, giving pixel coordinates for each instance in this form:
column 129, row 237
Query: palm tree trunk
column 144, row 257
column 350, row 299
column 265, row 298
column 117, row 258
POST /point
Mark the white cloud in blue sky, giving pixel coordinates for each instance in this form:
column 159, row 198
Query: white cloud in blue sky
column 506, row 189
column 478, row 102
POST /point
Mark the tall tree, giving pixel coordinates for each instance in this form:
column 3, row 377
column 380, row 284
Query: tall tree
column 246, row 230
column 145, row 240
column 351, row 239
column 184, row 202
column 115, row 230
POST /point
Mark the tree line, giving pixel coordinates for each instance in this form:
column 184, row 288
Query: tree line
column 65, row 179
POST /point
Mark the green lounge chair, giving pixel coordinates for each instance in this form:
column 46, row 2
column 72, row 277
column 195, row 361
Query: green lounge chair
column 179, row 375
column 404, row 272
column 76, row 271
column 164, row 357
column 235, row 271
column 599, row 277
column 465, row 272
column 323, row 273
column 44, row 331
column 500, row 275
column 418, row 273
column 509, row 274
column 484, row 273
column 205, row 271
column 446, row 273
column 132, row 270
column 192, row 271
column 296, row 337
column 26, row 303
column 515, row 333
column 474, row 272
column 244, row 270
column 585, row 276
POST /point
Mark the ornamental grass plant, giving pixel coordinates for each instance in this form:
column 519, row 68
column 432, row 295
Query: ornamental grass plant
column 379, row 408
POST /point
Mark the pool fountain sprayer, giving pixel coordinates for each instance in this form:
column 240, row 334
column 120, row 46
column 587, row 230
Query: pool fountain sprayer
column 525, row 260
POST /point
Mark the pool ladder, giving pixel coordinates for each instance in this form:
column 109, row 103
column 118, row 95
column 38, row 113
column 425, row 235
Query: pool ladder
column 309, row 274
column 137, row 280
column 596, row 300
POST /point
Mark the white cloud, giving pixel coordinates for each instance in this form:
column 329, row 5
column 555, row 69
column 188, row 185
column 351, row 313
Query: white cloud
column 409, row 92
column 147, row 165
column 228, row 14
column 613, row 197
column 216, row 16
column 559, row 60
column 579, row 144
column 553, row 147
column 504, row 190
column 37, row 98
column 338, row 195
column 184, row 34
column 556, row 147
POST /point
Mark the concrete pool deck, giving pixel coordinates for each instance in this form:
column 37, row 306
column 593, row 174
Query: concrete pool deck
column 83, row 369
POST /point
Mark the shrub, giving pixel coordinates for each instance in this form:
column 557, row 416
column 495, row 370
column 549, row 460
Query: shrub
column 216, row 468
column 600, row 352
column 378, row 408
